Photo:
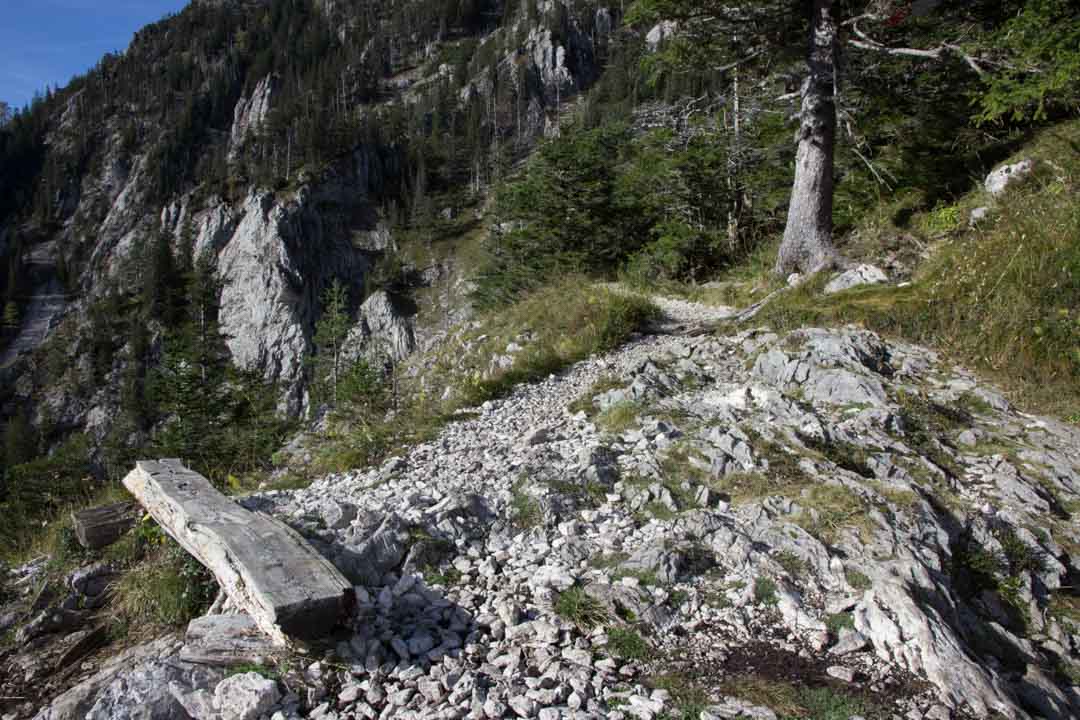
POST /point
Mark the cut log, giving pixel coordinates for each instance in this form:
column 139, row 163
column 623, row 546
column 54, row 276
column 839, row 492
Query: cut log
column 264, row 566
column 101, row 526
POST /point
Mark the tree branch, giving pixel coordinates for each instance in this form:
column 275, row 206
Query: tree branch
column 865, row 42
column 741, row 61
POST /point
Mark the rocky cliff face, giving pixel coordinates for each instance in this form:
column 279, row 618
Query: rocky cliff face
column 276, row 250
column 251, row 113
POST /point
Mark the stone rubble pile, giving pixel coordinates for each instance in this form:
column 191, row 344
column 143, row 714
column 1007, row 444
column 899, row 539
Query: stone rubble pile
column 826, row 500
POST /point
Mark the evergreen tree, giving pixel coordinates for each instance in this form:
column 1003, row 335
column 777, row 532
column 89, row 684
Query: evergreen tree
column 20, row 440
column 330, row 333
column 725, row 35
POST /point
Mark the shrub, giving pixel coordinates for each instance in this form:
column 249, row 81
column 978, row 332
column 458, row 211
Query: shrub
column 793, row 564
column 857, row 580
column 765, row 591
column 599, row 200
column 42, row 490
column 1019, row 556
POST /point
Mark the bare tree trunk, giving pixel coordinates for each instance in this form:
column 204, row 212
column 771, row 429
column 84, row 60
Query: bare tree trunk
column 807, row 245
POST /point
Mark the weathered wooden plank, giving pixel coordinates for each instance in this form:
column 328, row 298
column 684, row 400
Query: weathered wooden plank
column 101, row 526
column 264, row 566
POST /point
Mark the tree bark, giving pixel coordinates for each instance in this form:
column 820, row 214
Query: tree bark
column 807, row 246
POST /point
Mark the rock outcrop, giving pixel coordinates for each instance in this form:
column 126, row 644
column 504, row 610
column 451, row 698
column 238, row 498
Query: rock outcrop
column 383, row 331
column 856, row 277
column 1000, row 179
column 251, row 112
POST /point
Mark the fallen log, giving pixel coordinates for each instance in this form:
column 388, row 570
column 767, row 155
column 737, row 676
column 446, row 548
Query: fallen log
column 101, row 526
column 263, row 565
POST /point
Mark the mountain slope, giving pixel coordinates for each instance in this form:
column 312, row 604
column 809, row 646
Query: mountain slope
column 744, row 524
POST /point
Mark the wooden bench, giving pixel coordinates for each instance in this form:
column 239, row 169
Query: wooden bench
column 263, row 565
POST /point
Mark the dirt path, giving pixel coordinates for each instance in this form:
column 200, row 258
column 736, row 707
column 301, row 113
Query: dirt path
column 679, row 314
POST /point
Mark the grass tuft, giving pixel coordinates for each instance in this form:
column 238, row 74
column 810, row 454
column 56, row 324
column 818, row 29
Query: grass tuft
column 627, row 643
column 168, row 588
column 526, row 510
column 618, row 418
column 576, row 606
column 690, row 700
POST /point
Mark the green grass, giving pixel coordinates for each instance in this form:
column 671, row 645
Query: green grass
column 799, row 702
column 1065, row 608
column 646, row 577
column 627, row 644
column 619, row 418
column 271, row 673
column 834, row 508
column 446, row 578
column 900, row 497
column 587, row 494
column 587, row 402
column 609, row 561
column 659, row 511
column 848, row 456
column 568, row 321
column 678, row 467
column 687, row 697
column 782, row 477
column 40, row 498
column 839, row 621
column 576, row 606
column 168, row 588
column 793, row 564
column 1003, row 298
column 526, row 511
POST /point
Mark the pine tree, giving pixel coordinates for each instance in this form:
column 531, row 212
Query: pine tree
column 765, row 30
column 330, row 334
column 20, row 441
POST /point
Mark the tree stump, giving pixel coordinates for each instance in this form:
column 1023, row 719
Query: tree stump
column 102, row 526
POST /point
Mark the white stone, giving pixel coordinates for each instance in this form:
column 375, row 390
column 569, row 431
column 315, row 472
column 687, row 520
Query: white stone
column 855, row 277
column 245, row 696
column 1000, row 179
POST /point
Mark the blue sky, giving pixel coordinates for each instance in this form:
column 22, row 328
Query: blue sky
column 46, row 42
